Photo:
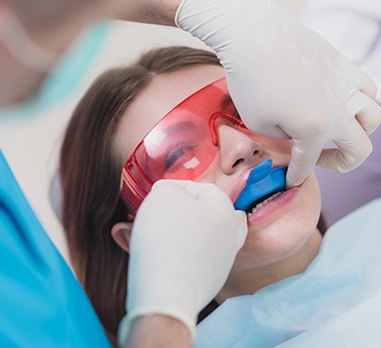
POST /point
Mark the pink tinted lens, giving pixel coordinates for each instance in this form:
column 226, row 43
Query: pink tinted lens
column 179, row 146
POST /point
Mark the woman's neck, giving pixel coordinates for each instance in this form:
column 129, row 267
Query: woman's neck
column 248, row 282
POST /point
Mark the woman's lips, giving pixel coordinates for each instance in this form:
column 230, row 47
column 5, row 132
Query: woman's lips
column 239, row 185
column 273, row 209
column 241, row 182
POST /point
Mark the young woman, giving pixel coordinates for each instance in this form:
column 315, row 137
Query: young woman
column 113, row 117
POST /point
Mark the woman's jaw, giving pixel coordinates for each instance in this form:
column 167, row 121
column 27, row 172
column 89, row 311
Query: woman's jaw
column 250, row 280
column 281, row 229
column 282, row 240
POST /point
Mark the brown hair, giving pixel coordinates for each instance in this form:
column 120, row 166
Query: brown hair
column 90, row 176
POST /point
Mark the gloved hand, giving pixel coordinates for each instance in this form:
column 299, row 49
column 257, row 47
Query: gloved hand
column 286, row 81
column 184, row 241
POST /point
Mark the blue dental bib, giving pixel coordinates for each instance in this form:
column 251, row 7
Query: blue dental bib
column 262, row 181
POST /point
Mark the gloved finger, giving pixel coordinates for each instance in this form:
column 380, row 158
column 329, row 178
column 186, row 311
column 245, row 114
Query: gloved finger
column 197, row 190
column 358, row 78
column 304, row 155
column 266, row 129
column 352, row 150
column 241, row 228
column 200, row 191
column 366, row 84
column 367, row 111
column 168, row 182
column 208, row 192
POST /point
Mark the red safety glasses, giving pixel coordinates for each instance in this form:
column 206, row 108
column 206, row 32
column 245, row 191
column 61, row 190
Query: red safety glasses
column 181, row 145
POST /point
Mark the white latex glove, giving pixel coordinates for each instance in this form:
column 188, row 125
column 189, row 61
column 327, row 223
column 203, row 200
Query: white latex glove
column 286, row 81
column 184, row 241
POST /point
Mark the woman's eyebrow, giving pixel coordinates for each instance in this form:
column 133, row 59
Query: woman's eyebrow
column 180, row 126
column 226, row 101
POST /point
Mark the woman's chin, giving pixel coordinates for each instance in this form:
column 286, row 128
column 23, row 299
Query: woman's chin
column 275, row 244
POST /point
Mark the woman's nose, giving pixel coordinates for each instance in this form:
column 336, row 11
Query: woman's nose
column 238, row 148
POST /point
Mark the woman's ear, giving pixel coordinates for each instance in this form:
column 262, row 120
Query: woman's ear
column 121, row 232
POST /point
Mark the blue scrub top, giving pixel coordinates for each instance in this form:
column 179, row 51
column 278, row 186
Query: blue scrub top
column 41, row 302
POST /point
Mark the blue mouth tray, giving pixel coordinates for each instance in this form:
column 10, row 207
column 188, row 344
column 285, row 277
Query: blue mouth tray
column 262, row 181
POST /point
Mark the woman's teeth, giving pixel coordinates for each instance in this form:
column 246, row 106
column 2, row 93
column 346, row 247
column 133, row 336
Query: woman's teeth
column 259, row 205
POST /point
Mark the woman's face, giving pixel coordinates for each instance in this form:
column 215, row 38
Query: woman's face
column 278, row 229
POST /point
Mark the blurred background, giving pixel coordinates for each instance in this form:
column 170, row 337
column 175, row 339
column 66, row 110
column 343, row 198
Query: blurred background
column 32, row 146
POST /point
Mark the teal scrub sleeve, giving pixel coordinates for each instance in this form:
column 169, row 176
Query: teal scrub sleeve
column 41, row 302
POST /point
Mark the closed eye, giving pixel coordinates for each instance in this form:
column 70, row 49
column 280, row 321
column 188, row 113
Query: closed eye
column 177, row 154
